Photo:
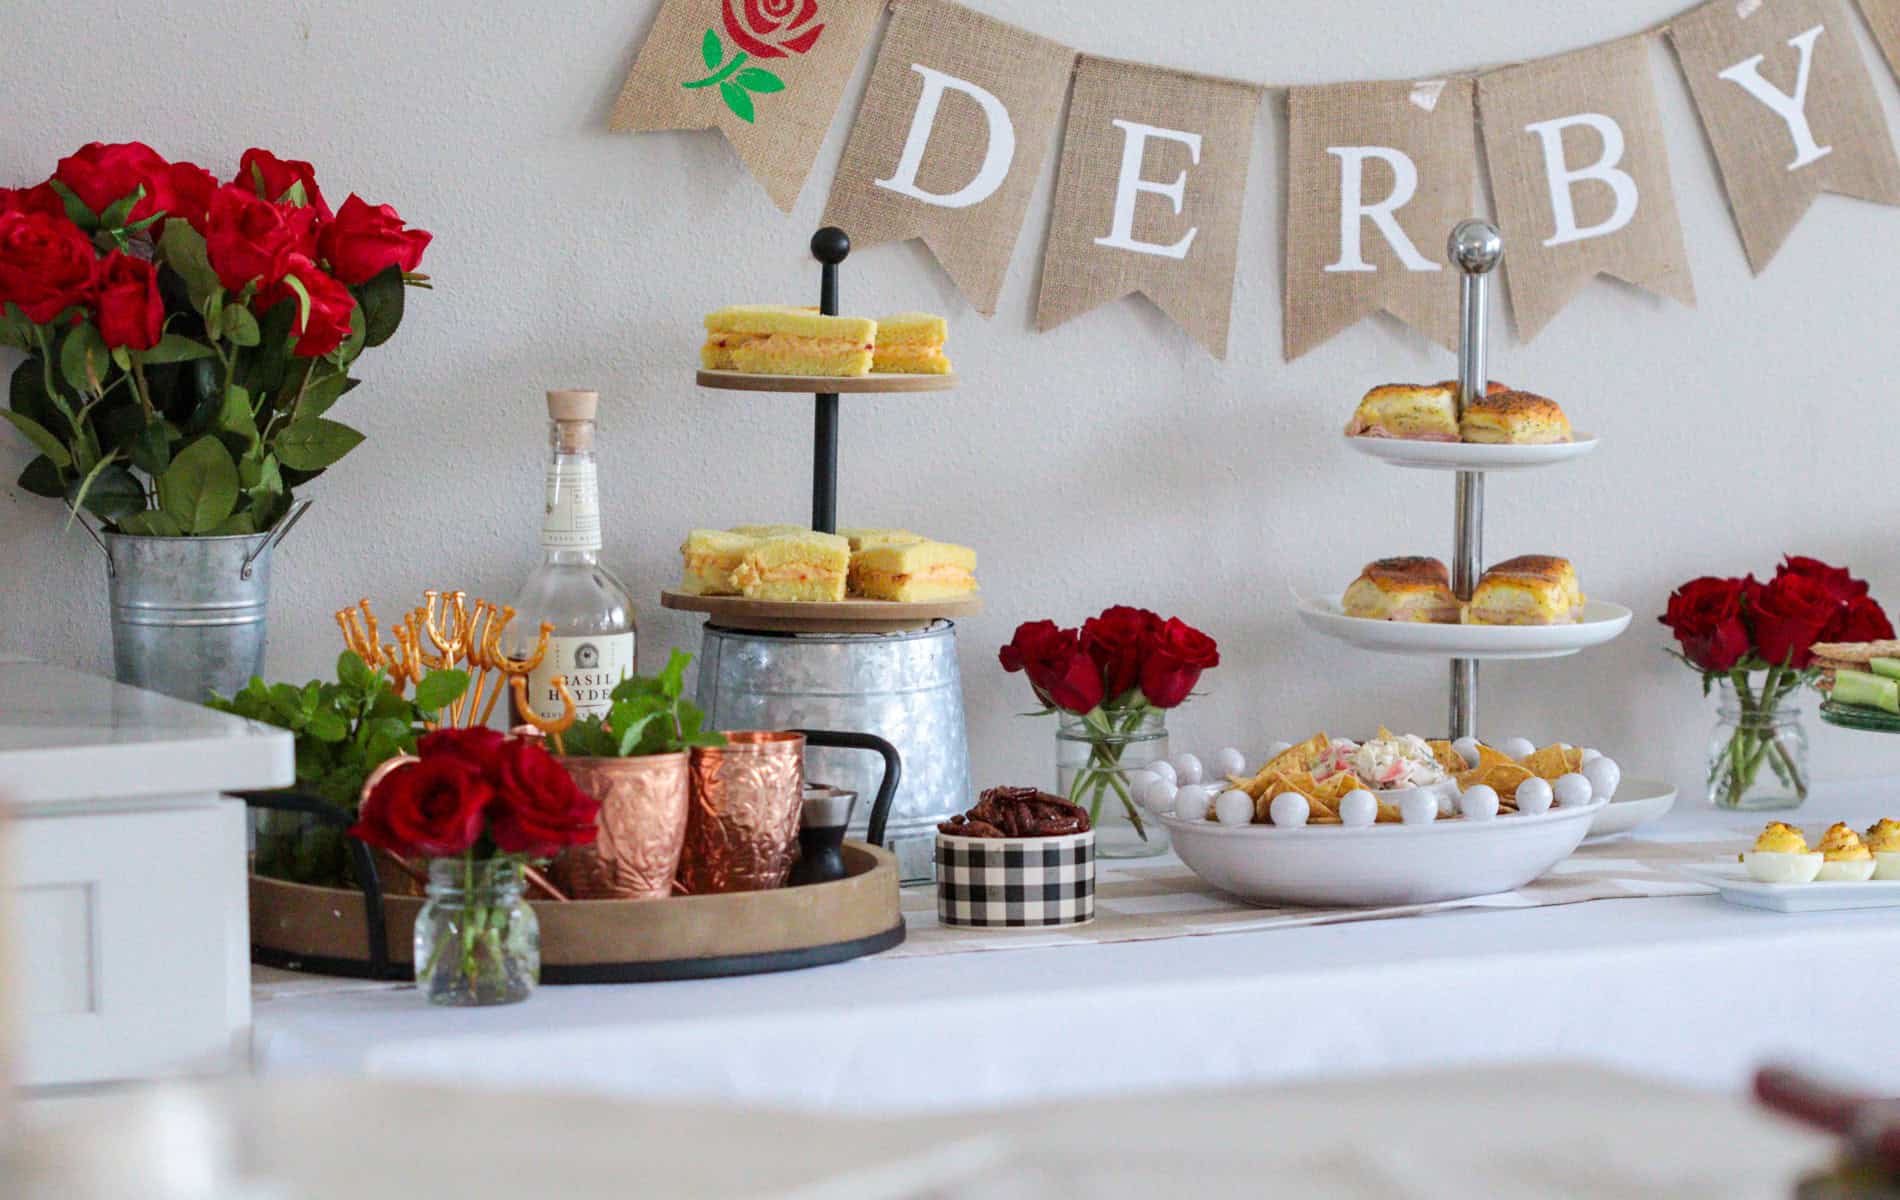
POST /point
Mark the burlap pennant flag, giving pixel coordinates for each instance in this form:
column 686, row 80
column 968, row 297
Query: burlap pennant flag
column 1790, row 109
column 767, row 73
column 1377, row 174
column 1581, row 179
column 956, row 124
column 1148, row 198
column 1884, row 16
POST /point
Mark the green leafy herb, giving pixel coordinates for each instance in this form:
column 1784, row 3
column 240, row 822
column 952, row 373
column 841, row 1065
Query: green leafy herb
column 649, row 716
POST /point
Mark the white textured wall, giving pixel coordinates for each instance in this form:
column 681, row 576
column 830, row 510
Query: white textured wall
column 1110, row 460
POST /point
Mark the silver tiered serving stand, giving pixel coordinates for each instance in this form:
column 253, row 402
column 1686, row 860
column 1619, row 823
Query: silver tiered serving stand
column 1476, row 248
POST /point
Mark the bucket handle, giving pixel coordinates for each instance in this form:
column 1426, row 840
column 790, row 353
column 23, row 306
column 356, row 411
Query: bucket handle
column 277, row 533
column 887, row 786
column 92, row 533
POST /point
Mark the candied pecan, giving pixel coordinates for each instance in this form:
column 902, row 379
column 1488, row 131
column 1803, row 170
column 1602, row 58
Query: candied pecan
column 1018, row 812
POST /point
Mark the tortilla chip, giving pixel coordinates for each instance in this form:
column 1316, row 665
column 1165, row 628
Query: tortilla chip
column 1334, row 790
column 1553, row 761
column 1487, row 756
column 1389, row 814
column 1324, row 819
column 1446, row 757
column 1501, row 777
column 1302, row 756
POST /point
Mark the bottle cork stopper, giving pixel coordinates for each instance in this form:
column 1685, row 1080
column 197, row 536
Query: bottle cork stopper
column 572, row 404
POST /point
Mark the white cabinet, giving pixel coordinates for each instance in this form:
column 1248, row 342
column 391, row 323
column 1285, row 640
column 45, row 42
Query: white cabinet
column 127, row 874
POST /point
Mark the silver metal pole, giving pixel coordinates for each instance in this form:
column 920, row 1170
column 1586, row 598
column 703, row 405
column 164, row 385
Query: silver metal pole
column 1476, row 248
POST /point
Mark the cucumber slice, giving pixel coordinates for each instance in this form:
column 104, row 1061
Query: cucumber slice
column 1867, row 691
column 1887, row 667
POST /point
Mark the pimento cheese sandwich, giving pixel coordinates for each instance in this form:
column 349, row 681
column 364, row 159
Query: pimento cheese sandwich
column 711, row 556
column 806, row 566
column 865, row 539
column 777, row 339
column 912, row 344
column 919, row 572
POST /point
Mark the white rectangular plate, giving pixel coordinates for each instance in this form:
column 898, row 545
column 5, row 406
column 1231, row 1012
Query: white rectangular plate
column 1732, row 881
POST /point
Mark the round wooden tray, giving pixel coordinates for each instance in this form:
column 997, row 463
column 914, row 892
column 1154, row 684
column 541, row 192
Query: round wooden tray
column 740, row 381
column 324, row 931
column 843, row 616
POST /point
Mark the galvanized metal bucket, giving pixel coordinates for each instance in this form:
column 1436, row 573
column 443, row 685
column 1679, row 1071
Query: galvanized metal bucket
column 188, row 613
column 903, row 687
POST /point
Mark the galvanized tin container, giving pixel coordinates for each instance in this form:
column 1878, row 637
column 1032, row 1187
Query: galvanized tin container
column 903, row 687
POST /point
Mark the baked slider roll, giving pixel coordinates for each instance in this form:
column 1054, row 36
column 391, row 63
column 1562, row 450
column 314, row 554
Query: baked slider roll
column 1532, row 589
column 1403, row 589
column 1514, row 418
column 711, row 556
column 866, row 539
column 1424, row 413
column 794, row 566
column 911, row 344
column 777, row 339
column 921, row 571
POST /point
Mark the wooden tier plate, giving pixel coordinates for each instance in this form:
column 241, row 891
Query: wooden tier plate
column 843, row 616
column 324, row 931
column 740, row 381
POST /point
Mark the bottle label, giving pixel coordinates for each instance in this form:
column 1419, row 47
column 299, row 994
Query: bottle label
column 591, row 664
column 572, row 521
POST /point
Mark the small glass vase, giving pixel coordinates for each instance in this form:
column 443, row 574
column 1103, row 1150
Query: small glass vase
column 1094, row 755
column 477, row 940
column 1758, row 753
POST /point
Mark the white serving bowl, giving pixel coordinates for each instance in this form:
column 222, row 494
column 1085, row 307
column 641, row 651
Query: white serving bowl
column 1337, row 866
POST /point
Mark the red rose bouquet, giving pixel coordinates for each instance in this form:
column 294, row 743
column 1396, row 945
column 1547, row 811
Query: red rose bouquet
column 478, row 804
column 185, row 336
column 1112, row 681
column 1733, row 630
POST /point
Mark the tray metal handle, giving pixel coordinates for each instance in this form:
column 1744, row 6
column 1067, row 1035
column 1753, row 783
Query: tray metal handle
column 361, row 861
column 887, row 786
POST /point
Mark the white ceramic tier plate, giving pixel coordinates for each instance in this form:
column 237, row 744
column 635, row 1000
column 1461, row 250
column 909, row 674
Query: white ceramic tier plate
column 1467, row 456
column 1601, row 622
column 1374, row 865
column 1732, row 881
column 1638, row 802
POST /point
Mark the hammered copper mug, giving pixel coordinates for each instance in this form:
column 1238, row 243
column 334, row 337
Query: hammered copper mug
column 643, row 817
column 742, row 834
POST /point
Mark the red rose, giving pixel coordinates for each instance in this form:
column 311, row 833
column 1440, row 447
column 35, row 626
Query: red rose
column 364, row 241
column 40, row 198
column 1787, row 615
column 267, row 176
column 773, row 28
column 1177, row 654
column 1058, row 668
column 538, row 807
column 1118, row 641
column 435, row 807
column 479, row 745
column 102, row 175
column 1859, row 620
column 131, row 313
column 248, row 238
column 1838, row 582
column 189, row 191
column 46, row 264
column 1706, row 616
column 327, row 323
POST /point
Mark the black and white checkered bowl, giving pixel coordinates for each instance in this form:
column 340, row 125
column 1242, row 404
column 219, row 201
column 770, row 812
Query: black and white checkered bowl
column 1025, row 883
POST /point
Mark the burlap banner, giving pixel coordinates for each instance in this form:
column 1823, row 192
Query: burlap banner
column 955, row 126
column 1789, row 108
column 1884, row 16
column 1154, row 169
column 767, row 73
column 1377, row 174
column 1581, row 179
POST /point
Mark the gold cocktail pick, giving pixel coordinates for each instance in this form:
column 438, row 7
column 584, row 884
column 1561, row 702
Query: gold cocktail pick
column 555, row 728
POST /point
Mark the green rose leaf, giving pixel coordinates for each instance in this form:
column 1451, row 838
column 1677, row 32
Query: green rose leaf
column 42, row 478
column 175, row 347
column 84, row 359
column 234, row 415
column 15, row 329
column 200, row 488
column 351, row 346
column 151, row 449
column 319, row 396
column 182, row 248
column 77, row 211
column 313, row 443
column 114, row 217
column 760, row 80
column 737, row 99
column 381, row 300
column 710, row 51
column 439, row 689
column 240, row 326
column 150, row 523
column 114, row 493
column 42, row 440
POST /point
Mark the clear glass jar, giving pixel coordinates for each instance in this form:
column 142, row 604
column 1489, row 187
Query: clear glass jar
column 1758, row 753
column 477, row 940
column 1094, row 755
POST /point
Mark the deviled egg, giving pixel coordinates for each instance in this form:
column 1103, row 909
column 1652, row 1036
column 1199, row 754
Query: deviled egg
column 1883, row 838
column 1844, row 857
column 1781, row 855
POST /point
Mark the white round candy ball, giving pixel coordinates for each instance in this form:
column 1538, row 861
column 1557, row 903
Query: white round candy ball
column 1418, row 808
column 1289, row 809
column 1226, row 761
column 1157, row 796
column 1604, row 776
column 1467, row 748
column 1358, row 808
column 1533, row 796
column 1517, row 747
column 1590, row 756
column 1187, row 768
column 1137, row 778
column 1191, row 800
column 1571, row 790
column 1480, row 802
column 1162, row 769
column 1276, row 749
column 1233, row 807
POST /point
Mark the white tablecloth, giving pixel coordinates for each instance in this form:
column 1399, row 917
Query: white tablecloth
column 1687, row 988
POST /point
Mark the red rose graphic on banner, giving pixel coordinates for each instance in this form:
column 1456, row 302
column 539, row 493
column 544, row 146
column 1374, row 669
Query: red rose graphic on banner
column 759, row 29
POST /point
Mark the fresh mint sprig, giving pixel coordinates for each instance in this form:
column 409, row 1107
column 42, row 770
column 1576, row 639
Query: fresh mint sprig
column 648, row 716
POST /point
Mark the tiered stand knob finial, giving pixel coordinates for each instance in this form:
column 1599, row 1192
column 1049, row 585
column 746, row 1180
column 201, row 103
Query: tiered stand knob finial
column 1476, row 247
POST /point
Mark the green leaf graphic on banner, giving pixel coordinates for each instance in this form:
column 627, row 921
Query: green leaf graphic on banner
column 760, row 80
column 737, row 99
column 711, row 50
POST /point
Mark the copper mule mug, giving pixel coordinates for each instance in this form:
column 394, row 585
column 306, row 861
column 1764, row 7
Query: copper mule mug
column 644, row 804
column 742, row 834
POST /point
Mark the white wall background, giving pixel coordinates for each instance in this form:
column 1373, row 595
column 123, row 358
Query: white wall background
column 1108, row 461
